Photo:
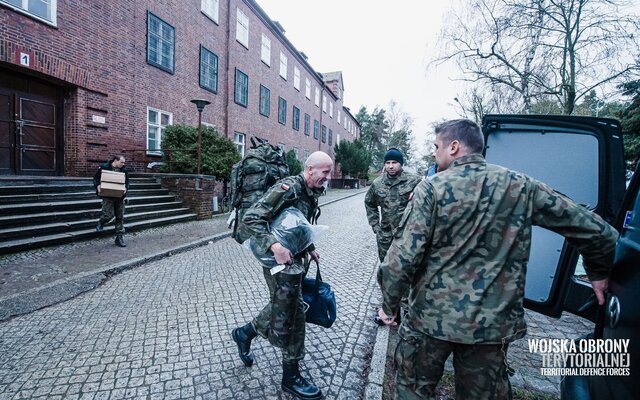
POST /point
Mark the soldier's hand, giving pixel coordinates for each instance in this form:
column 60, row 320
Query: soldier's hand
column 99, row 189
column 389, row 321
column 600, row 288
column 281, row 253
column 314, row 256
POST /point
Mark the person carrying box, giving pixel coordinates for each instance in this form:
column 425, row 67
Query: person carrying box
column 112, row 182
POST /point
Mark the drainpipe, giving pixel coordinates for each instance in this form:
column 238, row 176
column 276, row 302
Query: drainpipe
column 227, row 64
column 321, row 112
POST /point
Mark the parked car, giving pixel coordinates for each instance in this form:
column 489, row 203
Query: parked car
column 583, row 158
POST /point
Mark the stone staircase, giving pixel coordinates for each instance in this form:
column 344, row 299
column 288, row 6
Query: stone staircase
column 45, row 211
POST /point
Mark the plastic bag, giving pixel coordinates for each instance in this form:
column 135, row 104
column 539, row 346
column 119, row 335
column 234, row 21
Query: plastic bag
column 292, row 230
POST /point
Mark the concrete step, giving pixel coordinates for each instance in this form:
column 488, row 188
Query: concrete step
column 66, row 237
column 35, row 230
column 74, row 196
column 7, row 221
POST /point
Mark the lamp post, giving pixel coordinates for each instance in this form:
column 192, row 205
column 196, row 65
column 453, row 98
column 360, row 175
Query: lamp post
column 200, row 104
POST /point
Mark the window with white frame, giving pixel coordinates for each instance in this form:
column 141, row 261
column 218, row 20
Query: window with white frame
column 45, row 10
column 161, row 41
column 324, row 103
column 265, row 101
column 208, row 70
column 296, row 78
column 307, row 124
column 296, row 152
column 338, row 139
column 282, row 146
column 331, row 109
column 283, row 65
column 238, row 140
column 317, row 97
column 282, row 110
column 307, row 88
column 157, row 122
column 330, row 136
column 305, row 155
column 339, row 117
column 242, row 28
column 296, row 118
column 210, row 9
column 265, row 53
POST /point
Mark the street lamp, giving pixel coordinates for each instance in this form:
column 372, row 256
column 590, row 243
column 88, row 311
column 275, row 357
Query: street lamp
column 200, row 104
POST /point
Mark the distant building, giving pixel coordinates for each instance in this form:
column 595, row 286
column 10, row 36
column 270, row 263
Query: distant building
column 80, row 81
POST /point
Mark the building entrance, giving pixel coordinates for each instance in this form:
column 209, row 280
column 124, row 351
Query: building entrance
column 31, row 139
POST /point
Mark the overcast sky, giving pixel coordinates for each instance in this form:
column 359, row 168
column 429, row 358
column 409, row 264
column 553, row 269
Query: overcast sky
column 382, row 49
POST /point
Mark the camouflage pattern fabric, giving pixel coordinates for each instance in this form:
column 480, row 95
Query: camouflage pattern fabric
column 463, row 245
column 385, row 202
column 113, row 208
column 282, row 319
column 481, row 370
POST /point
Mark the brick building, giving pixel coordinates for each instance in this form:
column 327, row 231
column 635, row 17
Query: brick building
column 80, row 81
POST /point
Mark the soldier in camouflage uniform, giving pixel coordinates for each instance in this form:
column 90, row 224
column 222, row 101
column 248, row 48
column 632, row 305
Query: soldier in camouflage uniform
column 282, row 321
column 462, row 248
column 390, row 193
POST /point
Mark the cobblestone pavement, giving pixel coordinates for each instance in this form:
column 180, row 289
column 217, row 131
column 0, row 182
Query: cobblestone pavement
column 161, row 331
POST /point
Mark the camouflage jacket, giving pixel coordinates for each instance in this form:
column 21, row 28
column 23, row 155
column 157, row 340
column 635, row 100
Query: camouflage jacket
column 288, row 192
column 463, row 247
column 392, row 196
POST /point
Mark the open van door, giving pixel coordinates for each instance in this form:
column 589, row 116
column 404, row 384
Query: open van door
column 581, row 157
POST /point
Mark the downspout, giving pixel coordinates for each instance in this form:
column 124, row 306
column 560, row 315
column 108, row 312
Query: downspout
column 321, row 112
column 227, row 64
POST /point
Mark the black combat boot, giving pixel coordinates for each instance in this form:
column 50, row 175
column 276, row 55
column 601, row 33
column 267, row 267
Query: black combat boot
column 120, row 241
column 99, row 227
column 294, row 383
column 243, row 337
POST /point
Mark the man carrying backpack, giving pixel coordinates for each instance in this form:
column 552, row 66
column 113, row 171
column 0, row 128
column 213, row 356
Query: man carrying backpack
column 282, row 320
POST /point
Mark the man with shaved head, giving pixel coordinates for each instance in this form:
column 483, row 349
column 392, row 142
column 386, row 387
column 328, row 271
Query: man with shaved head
column 282, row 320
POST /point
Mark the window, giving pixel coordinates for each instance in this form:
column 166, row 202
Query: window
column 282, row 146
column 238, row 140
column 307, row 124
column 265, row 101
column 324, row 103
column 324, row 134
column 330, row 137
column 160, row 43
column 296, row 118
column 306, row 155
column 242, row 28
column 282, row 110
column 317, row 97
column 307, row 88
column 208, row 70
column 339, row 115
column 283, row 65
column 296, row 78
column 338, row 139
column 316, row 128
column 157, row 122
column 210, row 9
column 41, row 9
column 265, row 54
column 296, row 152
column 242, row 88
column 331, row 109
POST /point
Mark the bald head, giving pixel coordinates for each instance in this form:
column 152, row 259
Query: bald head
column 317, row 169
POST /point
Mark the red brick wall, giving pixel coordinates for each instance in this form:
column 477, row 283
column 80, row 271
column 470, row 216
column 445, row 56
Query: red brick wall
column 98, row 53
column 195, row 192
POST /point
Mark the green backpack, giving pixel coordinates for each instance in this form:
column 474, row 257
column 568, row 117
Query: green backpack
column 260, row 168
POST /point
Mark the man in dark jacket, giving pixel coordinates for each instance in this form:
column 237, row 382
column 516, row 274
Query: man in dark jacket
column 112, row 206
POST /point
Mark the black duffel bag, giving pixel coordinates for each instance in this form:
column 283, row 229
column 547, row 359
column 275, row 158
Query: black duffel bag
column 320, row 301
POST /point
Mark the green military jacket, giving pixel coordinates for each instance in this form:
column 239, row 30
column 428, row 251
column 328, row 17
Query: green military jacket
column 463, row 246
column 392, row 196
column 288, row 192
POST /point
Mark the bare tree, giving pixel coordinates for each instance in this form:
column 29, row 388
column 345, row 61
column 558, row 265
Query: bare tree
column 539, row 49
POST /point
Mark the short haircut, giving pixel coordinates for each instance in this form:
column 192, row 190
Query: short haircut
column 117, row 157
column 465, row 131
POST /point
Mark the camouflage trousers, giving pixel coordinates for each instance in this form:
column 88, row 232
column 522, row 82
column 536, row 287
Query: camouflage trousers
column 282, row 320
column 481, row 371
column 384, row 239
column 113, row 208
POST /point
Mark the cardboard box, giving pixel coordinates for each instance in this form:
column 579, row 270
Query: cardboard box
column 112, row 176
column 108, row 189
